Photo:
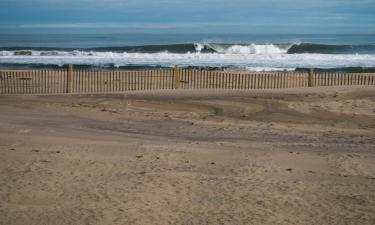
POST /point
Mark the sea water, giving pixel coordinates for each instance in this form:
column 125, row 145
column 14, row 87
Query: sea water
column 253, row 52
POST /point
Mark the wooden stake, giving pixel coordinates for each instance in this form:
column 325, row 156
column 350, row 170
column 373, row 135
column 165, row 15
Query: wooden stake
column 69, row 76
column 177, row 77
column 311, row 77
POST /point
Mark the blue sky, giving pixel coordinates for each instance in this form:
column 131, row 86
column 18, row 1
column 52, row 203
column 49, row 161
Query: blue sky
column 200, row 16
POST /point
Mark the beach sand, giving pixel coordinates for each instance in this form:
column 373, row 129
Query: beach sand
column 293, row 156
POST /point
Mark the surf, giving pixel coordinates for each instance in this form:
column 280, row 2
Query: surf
column 252, row 56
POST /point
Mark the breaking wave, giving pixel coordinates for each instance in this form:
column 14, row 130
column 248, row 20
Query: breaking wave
column 244, row 56
column 293, row 48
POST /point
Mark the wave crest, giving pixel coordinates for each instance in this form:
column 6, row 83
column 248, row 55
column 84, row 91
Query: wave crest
column 267, row 49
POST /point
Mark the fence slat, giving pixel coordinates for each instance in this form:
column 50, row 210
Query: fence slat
column 89, row 82
column 84, row 81
column 14, row 81
column 100, row 81
column 125, row 81
column 48, row 82
column 24, row 82
column 161, row 79
column 146, row 81
column 112, row 82
column 54, row 81
column 2, row 85
column 7, row 82
column 119, row 82
column 36, row 82
column 20, row 82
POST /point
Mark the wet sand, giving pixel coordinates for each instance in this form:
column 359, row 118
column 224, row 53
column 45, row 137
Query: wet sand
column 296, row 156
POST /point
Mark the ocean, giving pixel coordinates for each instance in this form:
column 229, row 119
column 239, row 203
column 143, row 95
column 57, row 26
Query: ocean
column 250, row 52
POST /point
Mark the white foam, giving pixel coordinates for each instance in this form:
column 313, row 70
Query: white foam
column 6, row 53
column 263, row 69
column 199, row 47
column 230, row 58
column 244, row 49
column 252, row 49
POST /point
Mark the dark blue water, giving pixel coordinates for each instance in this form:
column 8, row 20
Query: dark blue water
column 107, row 40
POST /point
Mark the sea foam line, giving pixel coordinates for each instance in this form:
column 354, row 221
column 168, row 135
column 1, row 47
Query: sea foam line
column 200, row 59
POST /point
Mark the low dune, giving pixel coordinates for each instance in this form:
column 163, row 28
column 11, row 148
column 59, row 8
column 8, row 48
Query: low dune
column 292, row 156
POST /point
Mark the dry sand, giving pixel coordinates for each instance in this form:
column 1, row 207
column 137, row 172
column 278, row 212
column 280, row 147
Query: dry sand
column 297, row 156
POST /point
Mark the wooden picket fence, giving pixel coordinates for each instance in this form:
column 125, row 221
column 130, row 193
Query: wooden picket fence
column 81, row 81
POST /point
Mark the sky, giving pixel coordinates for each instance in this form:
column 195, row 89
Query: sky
column 192, row 16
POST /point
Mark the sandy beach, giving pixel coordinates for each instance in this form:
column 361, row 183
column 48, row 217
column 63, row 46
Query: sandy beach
column 292, row 156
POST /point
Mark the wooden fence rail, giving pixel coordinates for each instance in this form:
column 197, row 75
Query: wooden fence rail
column 81, row 81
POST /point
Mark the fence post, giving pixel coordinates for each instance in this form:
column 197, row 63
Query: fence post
column 69, row 76
column 311, row 77
column 177, row 77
